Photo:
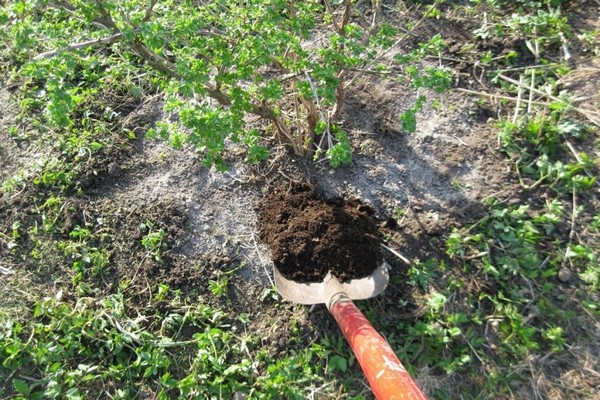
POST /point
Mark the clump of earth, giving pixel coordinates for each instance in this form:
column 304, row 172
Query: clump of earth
column 309, row 235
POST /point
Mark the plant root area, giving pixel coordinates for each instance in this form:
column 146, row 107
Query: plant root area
column 309, row 236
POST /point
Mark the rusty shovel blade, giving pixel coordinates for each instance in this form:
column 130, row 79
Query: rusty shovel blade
column 323, row 292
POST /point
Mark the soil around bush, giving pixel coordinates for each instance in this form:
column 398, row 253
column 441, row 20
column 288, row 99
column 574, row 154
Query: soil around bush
column 309, row 236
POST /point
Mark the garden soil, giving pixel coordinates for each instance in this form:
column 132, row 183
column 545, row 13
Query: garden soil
column 310, row 236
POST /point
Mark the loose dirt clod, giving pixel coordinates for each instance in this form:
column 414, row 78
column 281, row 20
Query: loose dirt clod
column 309, row 236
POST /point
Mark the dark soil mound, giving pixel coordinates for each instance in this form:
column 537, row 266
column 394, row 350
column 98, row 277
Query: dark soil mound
column 309, row 236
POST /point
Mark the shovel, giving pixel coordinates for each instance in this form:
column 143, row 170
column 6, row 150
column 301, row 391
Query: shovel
column 386, row 374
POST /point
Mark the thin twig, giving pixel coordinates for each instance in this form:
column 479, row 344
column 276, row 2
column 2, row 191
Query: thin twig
column 260, row 259
column 394, row 252
column 578, row 158
column 478, row 255
column 396, row 43
column 5, row 271
column 572, row 227
column 575, row 154
column 78, row 46
column 525, row 186
column 323, row 118
column 340, row 90
column 330, row 11
column 346, row 15
column 551, row 97
column 149, row 10
column 106, row 19
column 537, row 66
column 530, row 102
column 376, row 5
column 491, row 96
column 573, row 214
column 518, row 105
column 565, row 46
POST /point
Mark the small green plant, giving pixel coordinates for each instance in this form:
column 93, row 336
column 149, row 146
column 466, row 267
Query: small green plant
column 270, row 293
column 219, row 287
column 591, row 276
column 512, row 245
column 539, row 145
column 409, row 118
column 88, row 259
column 555, row 335
column 338, row 354
column 300, row 368
column 153, row 240
column 422, row 273
column 595, row 224
column 84, row 349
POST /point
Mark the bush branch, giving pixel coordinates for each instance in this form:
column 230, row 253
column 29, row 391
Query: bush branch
column 78, row 46
column 149, row 10
column 156, row 61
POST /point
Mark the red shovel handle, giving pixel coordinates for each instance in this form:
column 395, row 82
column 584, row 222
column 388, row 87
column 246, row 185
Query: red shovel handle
column 386, row 374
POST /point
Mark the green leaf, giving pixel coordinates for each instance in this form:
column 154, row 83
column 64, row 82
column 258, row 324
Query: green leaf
column 337, row 363
column 73, row 394
column 437, row 301
column 20, row 7
column 341, row 152
column 95, row 146
column 409, row 117
column 409, row 121
column 20, row 386
column 36, row 396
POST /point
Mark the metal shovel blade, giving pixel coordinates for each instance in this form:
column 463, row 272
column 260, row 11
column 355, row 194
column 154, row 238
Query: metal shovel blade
column 322, row 292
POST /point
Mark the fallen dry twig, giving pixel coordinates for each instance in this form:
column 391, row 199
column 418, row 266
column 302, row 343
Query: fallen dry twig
column 580, row 111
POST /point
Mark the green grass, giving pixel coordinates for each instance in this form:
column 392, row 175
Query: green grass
column 78, row 350
column 510, row 305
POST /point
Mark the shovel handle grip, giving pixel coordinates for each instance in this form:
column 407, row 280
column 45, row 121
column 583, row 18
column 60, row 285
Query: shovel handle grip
column 384, row 371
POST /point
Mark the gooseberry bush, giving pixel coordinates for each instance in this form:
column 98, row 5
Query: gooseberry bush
column 219, row 63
